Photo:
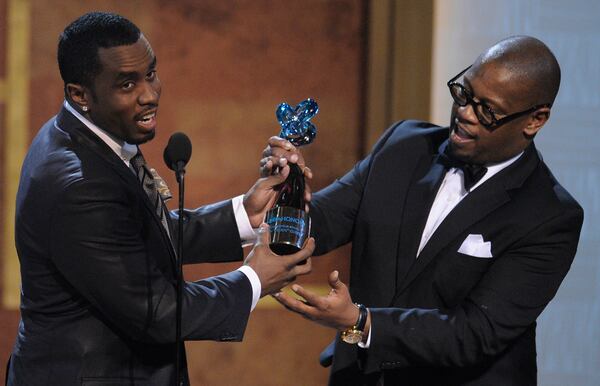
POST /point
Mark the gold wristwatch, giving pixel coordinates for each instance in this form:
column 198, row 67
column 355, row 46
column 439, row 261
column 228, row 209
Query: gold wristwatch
column 354, row 334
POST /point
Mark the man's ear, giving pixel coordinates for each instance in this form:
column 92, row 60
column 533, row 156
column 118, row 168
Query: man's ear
column 78, row 94
column 537, row 119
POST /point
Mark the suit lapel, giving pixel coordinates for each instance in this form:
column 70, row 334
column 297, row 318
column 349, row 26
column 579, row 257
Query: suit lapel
column 474, row 207
column 470, row 210
column 423, row 188
column 84, row 136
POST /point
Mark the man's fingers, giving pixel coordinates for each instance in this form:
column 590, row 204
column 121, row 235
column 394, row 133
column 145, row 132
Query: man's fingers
column 278, row 146
column 303, row 254
column 281, row 148
column 302, row 269
column 263, row 235
column 280, row 142
column 277, row 152
column 334, row 280
column 277, row 296
column 268, row 180
column 271, row 165
column 267, row 151
column 307, row 193
column 307, row 197
column 274, row 160
column 311, row 297
column 266, row 167
column 308, row 173
column 291, row 303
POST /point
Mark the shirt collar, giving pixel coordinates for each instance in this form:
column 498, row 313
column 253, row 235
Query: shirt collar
column 493, row 169
column 122, row 149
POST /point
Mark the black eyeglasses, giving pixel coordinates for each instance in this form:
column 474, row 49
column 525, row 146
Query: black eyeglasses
column 485, row 114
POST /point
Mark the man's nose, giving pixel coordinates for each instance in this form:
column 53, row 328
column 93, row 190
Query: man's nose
column 150, row 93
column 467, row 114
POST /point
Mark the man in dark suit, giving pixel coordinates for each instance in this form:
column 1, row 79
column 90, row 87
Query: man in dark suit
column 95, row 241
column 460, row 236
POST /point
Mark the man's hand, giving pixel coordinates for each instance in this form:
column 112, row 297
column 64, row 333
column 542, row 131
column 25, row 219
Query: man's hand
column 274, row 271
column 335, row 310
column 278, row 149
column 262, row 195
column 273, row 171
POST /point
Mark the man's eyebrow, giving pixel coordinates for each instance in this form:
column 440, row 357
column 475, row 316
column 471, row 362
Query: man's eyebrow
column 126, row 75
column 133, row 74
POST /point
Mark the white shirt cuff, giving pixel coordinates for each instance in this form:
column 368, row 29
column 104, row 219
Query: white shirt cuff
column 254, row 282
column 247, row 234
column 366, row 345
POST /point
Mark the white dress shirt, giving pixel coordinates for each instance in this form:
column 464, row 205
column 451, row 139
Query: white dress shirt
column 450, row 193
column 126, row 151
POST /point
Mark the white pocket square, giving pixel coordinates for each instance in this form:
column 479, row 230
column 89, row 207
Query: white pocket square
column 476, row 247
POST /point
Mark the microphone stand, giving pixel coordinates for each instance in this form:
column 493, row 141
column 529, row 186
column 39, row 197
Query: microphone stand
column 180, row 172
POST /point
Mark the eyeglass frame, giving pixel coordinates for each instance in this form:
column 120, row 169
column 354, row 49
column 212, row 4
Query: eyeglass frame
column 471, row 101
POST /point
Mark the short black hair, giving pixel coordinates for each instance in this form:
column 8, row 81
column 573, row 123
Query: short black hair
column 78, row 44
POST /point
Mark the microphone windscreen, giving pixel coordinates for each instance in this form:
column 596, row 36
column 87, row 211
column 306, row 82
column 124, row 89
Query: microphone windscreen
column 178, row 150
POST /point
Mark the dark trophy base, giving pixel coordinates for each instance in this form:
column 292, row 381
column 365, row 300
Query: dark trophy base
column 289, row 228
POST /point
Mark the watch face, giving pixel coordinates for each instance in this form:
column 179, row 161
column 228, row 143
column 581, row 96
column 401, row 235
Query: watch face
column 352, row 337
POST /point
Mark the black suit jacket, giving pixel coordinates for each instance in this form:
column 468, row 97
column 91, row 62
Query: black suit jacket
column 445, row 318
column 98, row 269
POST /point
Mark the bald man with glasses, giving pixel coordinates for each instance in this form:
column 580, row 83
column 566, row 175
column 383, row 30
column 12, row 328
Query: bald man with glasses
column 460, row 236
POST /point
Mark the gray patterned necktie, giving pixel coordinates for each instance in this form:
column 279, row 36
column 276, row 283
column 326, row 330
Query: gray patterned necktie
column 146, row 178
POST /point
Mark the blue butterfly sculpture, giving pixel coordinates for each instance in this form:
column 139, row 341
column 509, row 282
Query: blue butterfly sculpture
column 295, row 122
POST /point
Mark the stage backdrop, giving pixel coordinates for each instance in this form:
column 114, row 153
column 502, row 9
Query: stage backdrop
column 226, row 64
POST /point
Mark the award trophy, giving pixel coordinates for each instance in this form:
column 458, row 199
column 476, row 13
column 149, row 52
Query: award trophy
column 287, row 219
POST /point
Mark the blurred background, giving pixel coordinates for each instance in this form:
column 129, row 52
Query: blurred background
column 226, row 64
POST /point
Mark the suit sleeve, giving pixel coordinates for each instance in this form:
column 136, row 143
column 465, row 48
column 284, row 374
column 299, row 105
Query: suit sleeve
column 506, row 302
column 98, row 245
column 210, row 234
column 334, row 208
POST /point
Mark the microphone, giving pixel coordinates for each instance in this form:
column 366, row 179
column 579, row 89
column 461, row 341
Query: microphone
column 177, row 153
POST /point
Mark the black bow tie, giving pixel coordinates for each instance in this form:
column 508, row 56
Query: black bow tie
column 471, row 173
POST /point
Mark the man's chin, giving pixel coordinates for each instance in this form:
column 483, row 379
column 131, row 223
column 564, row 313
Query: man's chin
column 455, row 151
column 142, row 138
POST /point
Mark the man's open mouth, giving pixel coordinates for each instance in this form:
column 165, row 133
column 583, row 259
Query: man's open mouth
column 462, row 133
